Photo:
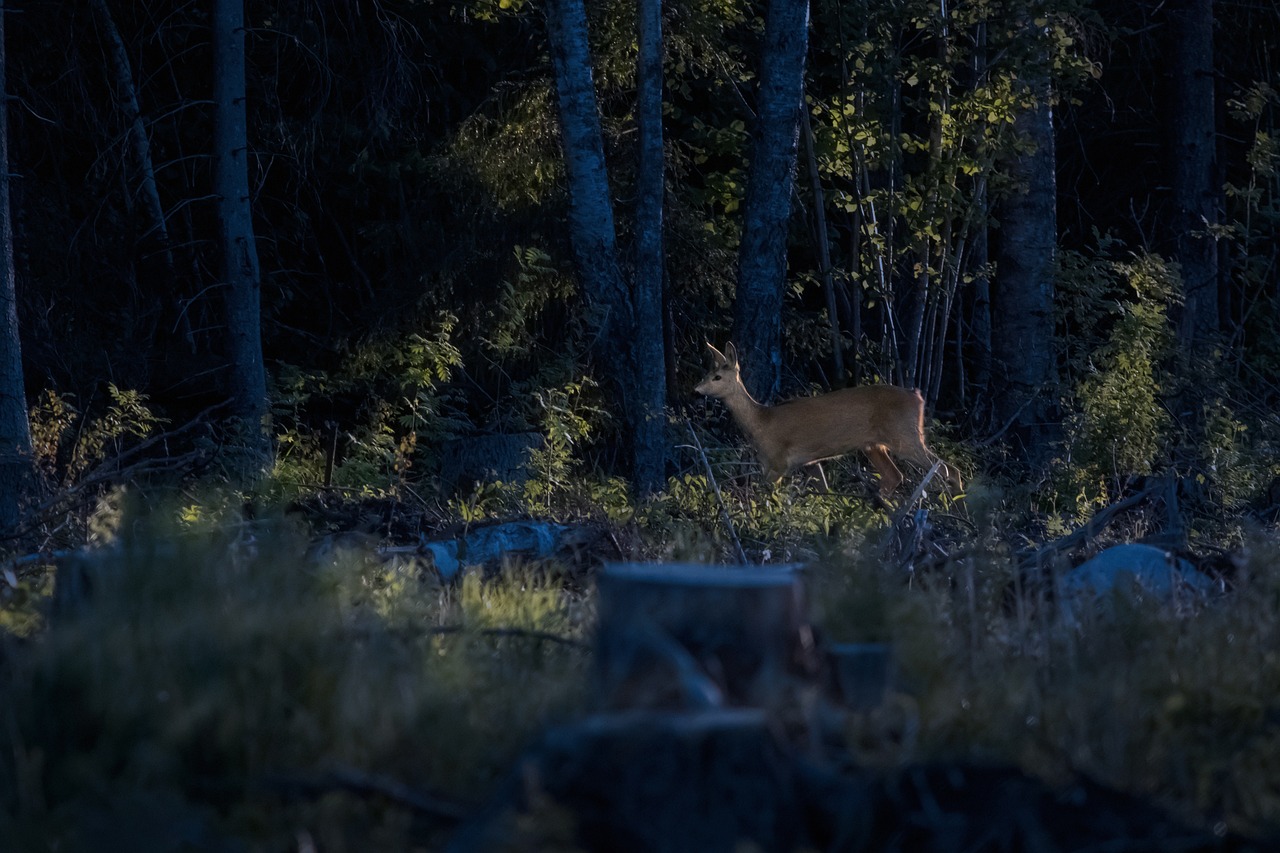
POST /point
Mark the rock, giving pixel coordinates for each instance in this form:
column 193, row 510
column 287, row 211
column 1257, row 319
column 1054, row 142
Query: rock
column 486, row 459
column 1122, row 567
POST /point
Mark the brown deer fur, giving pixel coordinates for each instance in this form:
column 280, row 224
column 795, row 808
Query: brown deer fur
column 876, row 419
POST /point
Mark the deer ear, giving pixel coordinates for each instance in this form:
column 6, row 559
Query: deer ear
column 732, row 352
column 717, row 355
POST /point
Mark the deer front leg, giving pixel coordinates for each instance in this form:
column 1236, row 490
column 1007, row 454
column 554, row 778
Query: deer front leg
column 890, row 476
column 925, row 458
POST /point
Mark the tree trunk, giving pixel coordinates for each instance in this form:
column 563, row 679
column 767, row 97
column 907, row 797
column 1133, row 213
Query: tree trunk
column 1023, row 319
column 762, row 257
column 629, row 335
column 590, row 209
column 15, row 429
column 824, row 249
column 980, row 325
column 1193, row 150
column 239, row 252
column 649, row 474
column 138, row 142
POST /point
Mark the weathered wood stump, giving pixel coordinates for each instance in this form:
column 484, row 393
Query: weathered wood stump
column 649, row 782
column 696, row 636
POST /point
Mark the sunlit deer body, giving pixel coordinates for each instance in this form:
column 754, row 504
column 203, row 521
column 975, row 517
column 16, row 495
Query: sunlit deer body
column 875, row 419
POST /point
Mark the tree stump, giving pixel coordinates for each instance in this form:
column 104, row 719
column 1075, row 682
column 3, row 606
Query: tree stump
column 696, row 636
column 711, row 781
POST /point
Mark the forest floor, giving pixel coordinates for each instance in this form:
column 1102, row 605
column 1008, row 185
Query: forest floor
column 319, row 679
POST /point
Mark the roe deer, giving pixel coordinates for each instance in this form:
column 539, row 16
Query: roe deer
column 875, row 419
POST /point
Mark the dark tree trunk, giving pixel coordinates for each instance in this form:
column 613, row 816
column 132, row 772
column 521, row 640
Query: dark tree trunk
column 1193, row 159
column 239, row 252
column 629, row 334
column 1022, row 333
column 980, row 327
column 824, row 249
column 762, row 258
column 138, row 143
column 590, row 209
column 651, row 375
column 15, row 428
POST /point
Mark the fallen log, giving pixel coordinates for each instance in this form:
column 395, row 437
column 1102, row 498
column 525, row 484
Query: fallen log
column 489, row 546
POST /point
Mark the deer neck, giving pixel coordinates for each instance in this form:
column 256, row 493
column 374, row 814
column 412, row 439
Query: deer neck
column 749, row 414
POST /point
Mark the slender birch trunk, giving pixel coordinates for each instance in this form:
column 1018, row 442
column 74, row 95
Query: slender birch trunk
column 239, row 252
column 651, row 390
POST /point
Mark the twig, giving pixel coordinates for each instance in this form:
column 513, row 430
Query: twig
column 1033, row 556
column 906, row 505
column 40, row 558
column 924, row 481
column 991, row 439
column 81, row 493
column 519, row 633
column 114, row 470
column 715, row 487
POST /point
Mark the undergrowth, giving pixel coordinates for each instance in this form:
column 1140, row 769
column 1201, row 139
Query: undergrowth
column 1172, row 701
column 226, row 679
column 214, row 678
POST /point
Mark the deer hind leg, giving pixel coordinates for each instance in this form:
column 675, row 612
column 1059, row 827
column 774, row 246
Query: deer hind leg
column 822, row 475
column 890, row 476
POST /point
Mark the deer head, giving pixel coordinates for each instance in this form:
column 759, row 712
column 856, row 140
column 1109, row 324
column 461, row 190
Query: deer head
column 723, row 379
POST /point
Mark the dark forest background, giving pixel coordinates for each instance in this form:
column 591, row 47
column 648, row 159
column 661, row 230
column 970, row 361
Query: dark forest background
column 409, row 203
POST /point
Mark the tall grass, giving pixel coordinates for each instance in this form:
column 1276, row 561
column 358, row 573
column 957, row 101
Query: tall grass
column 219, row 683
column 1174, row 701
column 214, row 678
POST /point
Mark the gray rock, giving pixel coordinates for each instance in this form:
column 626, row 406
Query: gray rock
column 1124, row 567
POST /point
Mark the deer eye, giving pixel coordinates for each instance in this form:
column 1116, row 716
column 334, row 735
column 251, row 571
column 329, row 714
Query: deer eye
column 716, row 378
